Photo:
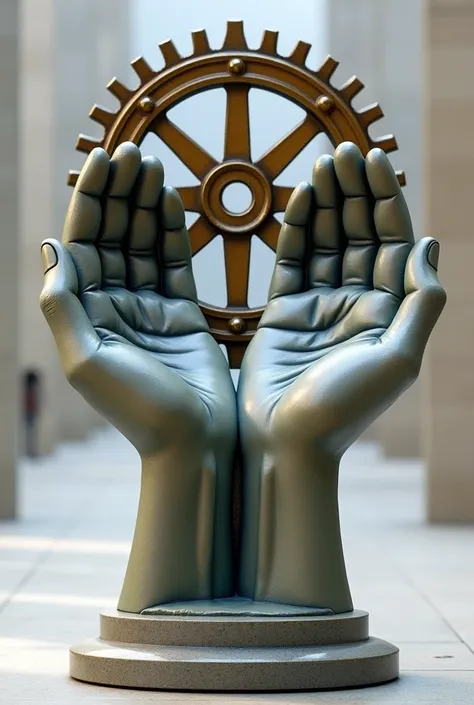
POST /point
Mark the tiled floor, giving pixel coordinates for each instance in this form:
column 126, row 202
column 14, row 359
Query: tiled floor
column 65, row 559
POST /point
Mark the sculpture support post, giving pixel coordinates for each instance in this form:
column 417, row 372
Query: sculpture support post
column 180, row 546
column 292, row 549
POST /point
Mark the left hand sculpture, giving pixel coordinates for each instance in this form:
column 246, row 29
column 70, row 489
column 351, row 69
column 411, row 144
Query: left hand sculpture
column 120, row 299
column 353, row 301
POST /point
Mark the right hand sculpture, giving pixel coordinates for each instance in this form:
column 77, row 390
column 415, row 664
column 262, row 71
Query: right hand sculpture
column 120, row 299
column 353, row 301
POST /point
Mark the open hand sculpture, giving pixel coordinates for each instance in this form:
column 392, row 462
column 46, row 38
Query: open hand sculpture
column 120, row 298
column 353, row 301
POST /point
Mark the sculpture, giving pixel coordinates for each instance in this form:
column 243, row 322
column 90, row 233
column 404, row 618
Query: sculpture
column 237, row 69
column 352, row 303
column 122, row 306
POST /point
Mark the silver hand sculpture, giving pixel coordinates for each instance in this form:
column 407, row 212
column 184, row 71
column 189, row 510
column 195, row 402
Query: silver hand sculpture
column 120, row 299
column 353, row 301
column 352, row 304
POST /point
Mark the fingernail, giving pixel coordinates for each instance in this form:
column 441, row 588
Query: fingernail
column 433, row 255
column 49, row 257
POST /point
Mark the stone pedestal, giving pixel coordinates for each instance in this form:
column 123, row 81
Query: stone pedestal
column 234, row 653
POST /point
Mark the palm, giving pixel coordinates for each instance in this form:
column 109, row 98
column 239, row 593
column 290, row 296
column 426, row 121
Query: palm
column 338, row 341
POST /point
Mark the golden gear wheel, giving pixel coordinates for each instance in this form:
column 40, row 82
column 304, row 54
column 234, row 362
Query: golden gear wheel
column 236, row 68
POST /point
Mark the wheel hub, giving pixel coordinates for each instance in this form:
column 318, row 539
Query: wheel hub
column 217, row 181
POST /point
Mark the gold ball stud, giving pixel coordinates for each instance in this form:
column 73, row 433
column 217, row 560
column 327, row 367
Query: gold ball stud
column 237, row 325
column 236, row 66
column 325, row 104
column 146, row 105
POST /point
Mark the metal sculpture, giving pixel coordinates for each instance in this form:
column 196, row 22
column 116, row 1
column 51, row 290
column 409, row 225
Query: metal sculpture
column 352, row 303
column 236, row 68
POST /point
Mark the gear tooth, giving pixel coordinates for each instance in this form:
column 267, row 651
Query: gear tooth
column 269, row 42
column 169, row 52
column 388, row 143
column 300, row 53
column 351, row 88
column 102, row 116
column 235, row 37
column 200, row 42
column 143, row 69
column 119, row 91
column 402, row 179
column 72, row 177
column 370, row 114
column 87, row 144
column 327, row 68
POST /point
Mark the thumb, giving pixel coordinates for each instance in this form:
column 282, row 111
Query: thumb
column 73, row 332
column 424, row 301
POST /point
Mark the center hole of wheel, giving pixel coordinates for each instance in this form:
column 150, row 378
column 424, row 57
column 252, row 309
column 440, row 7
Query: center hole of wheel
column 237, row 198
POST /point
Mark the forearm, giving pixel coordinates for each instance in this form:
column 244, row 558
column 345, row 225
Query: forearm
column 291, row 549
column 174, row 551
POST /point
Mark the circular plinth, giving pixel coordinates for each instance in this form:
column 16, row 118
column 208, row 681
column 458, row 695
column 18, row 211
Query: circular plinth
column 234, row 653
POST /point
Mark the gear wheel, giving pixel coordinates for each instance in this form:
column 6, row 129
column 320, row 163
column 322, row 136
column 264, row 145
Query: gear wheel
column 236, row 68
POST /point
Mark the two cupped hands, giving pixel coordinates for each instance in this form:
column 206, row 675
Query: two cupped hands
column 353, row 300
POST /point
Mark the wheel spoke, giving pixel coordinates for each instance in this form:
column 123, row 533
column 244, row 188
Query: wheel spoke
column 198, row 161
column 235, row 354
column 281, row 154
column 200, row 234
column 269, row 233
column 281, row 196
column 191, row 198
column 237, row 266
column 237, row 124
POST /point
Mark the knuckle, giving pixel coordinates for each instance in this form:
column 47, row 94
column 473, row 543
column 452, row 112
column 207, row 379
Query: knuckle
column 51, row 299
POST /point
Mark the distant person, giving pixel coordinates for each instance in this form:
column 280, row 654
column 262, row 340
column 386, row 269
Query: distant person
column 31, row 408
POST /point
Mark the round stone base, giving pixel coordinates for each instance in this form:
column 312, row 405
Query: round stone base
column 234, row 653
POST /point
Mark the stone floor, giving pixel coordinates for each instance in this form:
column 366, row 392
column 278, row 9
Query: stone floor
column 65, row 559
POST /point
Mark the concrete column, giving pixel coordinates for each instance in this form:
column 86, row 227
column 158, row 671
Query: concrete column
column 37, row 350
column 380, row 42
column 91, row 46
column 9, row 23
column 67, row 53
column 448, row 381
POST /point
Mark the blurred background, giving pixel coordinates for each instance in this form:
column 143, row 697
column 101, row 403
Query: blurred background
column 415, row 58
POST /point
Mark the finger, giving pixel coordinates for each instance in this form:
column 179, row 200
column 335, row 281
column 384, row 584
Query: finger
column 142, row 254
column 83, row 219
column 422, row 306
column 124, row 170
column 73, row 332
column 327, row 236
column 175, row 249
column 84, row 214
column 290, row 272
column 392, row 222
column 357, row 216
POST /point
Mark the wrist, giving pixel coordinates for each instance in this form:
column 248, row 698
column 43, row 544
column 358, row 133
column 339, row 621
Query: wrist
column 181, row 544
column 292, row 549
